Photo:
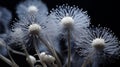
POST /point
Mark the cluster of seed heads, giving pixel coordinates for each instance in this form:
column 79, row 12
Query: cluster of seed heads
column 62, row 37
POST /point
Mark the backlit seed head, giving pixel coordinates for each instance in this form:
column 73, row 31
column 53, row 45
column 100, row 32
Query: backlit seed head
column 98, row 43
column 34, row 29
column 32, row 9
column 67, row 22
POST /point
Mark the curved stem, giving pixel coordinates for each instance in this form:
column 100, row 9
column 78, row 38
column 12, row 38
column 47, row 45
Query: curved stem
column 5, row 60
column 52, row 50
column 13, row 62
column 16, row 52
column 27, row 55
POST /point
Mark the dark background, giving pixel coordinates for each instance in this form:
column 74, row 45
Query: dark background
column 103, row 12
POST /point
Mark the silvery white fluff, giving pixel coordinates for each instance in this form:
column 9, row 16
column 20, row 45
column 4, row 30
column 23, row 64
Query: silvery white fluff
column 32, row 10
column 5, row 17
column 99, row 45
column 66, row 17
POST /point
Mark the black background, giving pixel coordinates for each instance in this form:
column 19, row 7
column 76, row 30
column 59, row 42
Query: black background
column 103, row 12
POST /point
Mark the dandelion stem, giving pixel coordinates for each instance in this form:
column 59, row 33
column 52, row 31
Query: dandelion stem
column 87, row 60
column 16, row 52
column 5, row 60
column 13, row 62
column 69, row 50
column 52, row 50
column 35, row 46
column 27, row 55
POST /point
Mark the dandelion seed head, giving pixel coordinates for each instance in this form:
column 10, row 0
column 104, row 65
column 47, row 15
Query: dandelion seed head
column 99, row 37
column 34, row 29
column 98, row 43
column 32, row 9
column 67, row 22
column 71, row 14
column 32, row 59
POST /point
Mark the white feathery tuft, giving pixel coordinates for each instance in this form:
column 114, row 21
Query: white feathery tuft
column 34, row 29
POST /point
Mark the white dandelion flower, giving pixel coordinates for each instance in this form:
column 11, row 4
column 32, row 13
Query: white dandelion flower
column 32, row 10
column 98, row 44
column 68, row 21
column 66, row 17
column 100, row 38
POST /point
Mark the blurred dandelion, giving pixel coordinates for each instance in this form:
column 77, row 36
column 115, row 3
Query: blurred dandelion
column 5, row 17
